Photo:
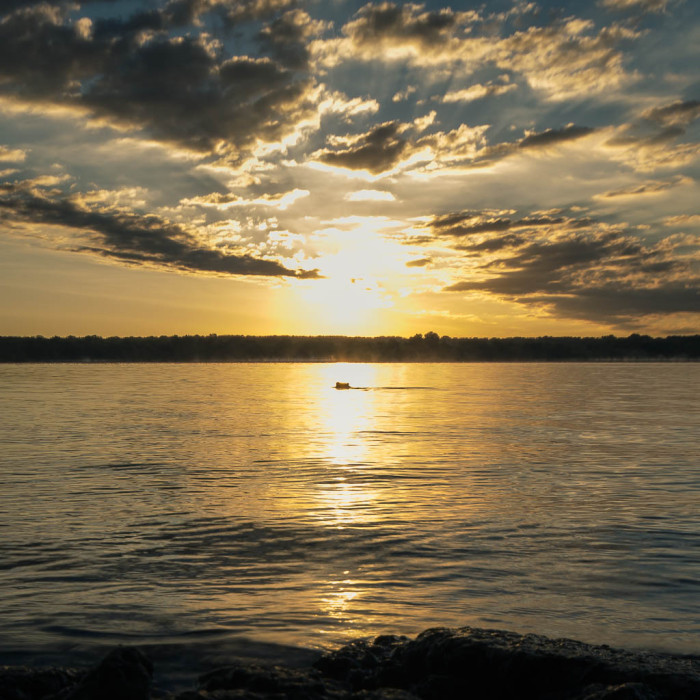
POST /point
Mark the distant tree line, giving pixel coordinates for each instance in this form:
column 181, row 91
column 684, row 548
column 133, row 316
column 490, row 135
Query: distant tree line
column 419, row 348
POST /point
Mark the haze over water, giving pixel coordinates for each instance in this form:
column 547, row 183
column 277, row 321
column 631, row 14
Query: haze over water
column 165, row 503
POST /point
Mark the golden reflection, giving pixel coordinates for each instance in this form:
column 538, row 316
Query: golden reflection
column 345, row 416
column 336, row 603
column 342, row 603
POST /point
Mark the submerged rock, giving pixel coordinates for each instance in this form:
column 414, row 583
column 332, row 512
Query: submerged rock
column 439, row 664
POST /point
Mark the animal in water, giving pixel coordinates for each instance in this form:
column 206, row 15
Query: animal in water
column 342, row 385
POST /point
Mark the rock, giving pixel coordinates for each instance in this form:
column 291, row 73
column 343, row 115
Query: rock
column 359, row 661
column 123, row 674
column 626, row 691
column 439, row 664
column 270, row 680
column 445, row 663
column 383, row 694
column 21, row 683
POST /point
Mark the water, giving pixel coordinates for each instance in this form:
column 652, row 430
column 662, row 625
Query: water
column 253, row 507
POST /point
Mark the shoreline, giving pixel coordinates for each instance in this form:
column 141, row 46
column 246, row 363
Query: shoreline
column 332, row 361
column 284, row 348
column 438, row 663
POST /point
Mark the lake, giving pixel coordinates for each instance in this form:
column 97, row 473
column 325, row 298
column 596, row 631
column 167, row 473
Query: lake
column 254, row 506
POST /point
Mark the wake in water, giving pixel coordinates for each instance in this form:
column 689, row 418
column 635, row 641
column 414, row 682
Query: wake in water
column 344, row 386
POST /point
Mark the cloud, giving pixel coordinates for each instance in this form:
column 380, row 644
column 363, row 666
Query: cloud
column 287, row 37
column 188, row 11
column 370, row 196
column 116, row 233
column 567, row 59
column 404, row 94
column 550, row 137
column 650, row 142
column 7, row 6
column 561, row 60
column 377, row 150
column 420, row 262
column 225, row 201
column 14, row 155
column 180, row 89
column 650, row 187
column 478, row 92
column 337, row 103
column 480, row 154
column 682, row 220
column 641, row 5
column 467, row 223
column 390, row 24
column 677, row 114
column 391, row 144
column 180, row 13
column 626, row 306
column 177, row 90
column 574, row 267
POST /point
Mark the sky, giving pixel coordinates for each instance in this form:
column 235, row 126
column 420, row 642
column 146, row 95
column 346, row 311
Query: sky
column 304, row 167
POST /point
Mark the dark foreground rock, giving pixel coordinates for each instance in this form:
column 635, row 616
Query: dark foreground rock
column 438, row 664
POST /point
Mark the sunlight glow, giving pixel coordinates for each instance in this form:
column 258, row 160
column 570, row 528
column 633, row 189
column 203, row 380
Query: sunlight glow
column 343, row 306
column 359, row 264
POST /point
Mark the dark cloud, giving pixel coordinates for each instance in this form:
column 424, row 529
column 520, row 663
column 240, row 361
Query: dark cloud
column 131, row 237
column 468, row 223
column 232, row 12
column 645, row 188
column 404, row 22
column 421, row 262
column 388, row 144
column 677, row 114
column 639, row 6
column 182, row 94
column 532, row 141
column 565, row 58
column 153, row 20
column 179, row 88
column 7, row 6
column 627, row 306
column 42, row 56
column 378, row 150
column 286, row 38
column 182, row 13
column 598, row 273
column 478, row 225
column 649, row 140
column 550, row 137
column 493, row 245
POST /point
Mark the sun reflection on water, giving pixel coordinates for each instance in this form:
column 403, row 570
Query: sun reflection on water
column 344, row 419
column 337, row 603
column 346, row 498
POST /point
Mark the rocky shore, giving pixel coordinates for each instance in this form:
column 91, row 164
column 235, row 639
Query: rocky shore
column 438, row 664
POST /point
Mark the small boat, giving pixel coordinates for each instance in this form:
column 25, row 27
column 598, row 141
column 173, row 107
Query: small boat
column 342, row 385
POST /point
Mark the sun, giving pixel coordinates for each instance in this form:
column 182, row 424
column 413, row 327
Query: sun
column 359, row 268
column 342, row 305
